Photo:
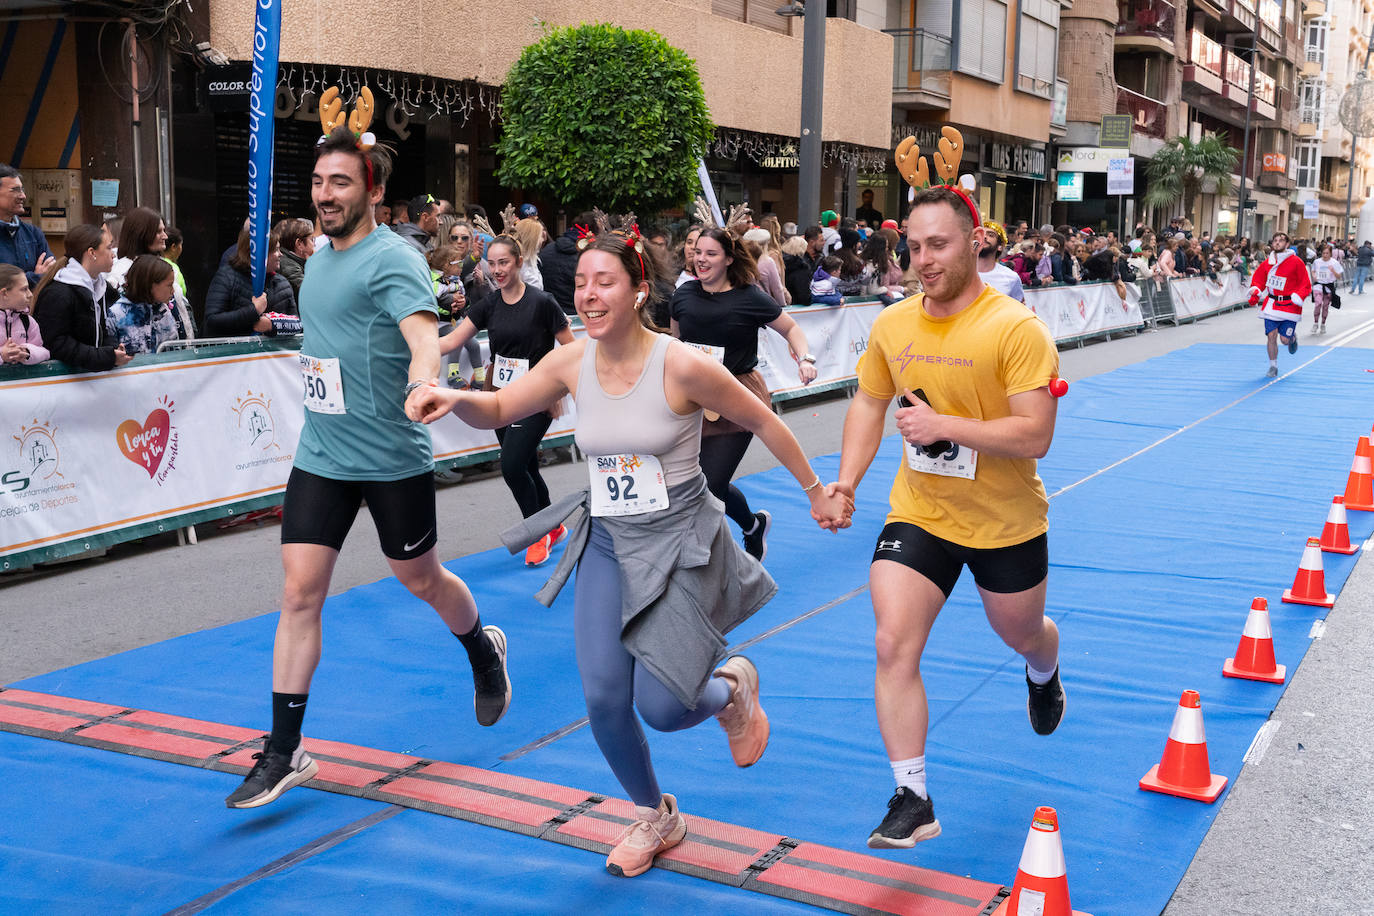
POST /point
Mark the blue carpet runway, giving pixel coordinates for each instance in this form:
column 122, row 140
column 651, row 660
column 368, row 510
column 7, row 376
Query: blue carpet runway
column 1182, row 487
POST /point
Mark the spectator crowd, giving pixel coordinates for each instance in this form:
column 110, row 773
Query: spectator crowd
column 116, row 291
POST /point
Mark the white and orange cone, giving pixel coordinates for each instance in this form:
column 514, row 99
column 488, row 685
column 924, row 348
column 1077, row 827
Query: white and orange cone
column 1254, row 658
column 1365, row 446
column 1309, row 585
column 1184, row 769
column 1359, row 486
column 1336, row 531
column 1042, row 883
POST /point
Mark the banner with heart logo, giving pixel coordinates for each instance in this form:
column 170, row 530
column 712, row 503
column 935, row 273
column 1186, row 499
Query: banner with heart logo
column 145, row 444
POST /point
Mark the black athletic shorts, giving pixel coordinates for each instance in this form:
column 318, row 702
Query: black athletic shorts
column 1004, row 570
column 320, row 510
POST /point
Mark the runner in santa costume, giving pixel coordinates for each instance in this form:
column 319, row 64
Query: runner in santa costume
column 1280, row 287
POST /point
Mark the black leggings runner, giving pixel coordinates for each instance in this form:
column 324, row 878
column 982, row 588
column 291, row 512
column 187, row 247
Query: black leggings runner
column 520, row 462
column 720, row 458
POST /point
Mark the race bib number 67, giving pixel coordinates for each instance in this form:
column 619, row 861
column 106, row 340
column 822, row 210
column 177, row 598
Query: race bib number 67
column 626, row 485
column 323, row 384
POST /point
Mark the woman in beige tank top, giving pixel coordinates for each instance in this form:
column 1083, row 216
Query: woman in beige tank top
column 662, row 666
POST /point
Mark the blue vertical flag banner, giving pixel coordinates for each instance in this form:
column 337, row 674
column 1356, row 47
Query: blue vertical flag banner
column 261, row 102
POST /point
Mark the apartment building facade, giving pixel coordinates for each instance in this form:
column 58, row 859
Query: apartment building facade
column 1186, row 68
column 1335, row 38
column 989, row 68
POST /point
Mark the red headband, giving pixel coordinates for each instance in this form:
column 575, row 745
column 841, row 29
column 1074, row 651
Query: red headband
column 968, row 201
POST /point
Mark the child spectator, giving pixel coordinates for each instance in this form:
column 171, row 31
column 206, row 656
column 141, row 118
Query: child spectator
column 143, row 317
column 823, row 290
column 21, row 341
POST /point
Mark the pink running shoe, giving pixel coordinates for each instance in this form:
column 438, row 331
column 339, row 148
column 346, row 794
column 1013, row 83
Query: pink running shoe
column 654, row 830
column 744, row 721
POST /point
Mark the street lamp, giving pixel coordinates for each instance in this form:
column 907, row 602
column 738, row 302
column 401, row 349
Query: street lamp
column 812, row 91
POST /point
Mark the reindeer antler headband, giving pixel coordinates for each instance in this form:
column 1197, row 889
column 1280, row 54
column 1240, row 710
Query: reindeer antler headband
column 911, row 165
column 332, row 117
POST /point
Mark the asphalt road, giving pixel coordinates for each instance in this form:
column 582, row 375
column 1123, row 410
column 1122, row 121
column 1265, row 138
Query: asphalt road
column 1292, row 837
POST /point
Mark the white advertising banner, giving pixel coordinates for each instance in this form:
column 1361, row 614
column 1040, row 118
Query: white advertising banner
column 837, row 336
column 1086, row 309
column 1121, row 176
column 90, row 454
column 1197, row 297
column 83, row 456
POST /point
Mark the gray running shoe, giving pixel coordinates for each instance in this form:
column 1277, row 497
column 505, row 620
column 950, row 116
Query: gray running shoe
column 272, row 775
column 910, row 819
column 756, row 544
column 491, row 697
column 1045, row 703
column 1273, row 372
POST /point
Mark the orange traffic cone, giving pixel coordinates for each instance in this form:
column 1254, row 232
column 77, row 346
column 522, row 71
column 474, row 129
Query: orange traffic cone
column 1184, row 770
column 1359, row 487
column 1254, row 658
column 1365, row 446
column 1309, row 585
column 1336, row 532
column 1042, row 885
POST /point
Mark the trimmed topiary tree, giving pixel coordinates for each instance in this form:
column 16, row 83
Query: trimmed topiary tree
column 602, row 116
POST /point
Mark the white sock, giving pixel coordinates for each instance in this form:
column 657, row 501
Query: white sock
column 1039, row 677
column 1274, row 363
column 911, row 773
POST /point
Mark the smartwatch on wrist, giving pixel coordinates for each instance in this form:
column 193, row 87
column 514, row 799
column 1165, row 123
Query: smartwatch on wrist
column 808, row 358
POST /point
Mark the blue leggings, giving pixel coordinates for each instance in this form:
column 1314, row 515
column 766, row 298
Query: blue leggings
column 614, row 684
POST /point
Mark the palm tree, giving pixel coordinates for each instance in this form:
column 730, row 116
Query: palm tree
column 1181, row 167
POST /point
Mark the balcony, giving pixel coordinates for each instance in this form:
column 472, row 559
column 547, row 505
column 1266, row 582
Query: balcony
column 1146, row 24
column 920, row 69
column 1150, row 116
column 1243, row 12
column 1271, row 24
column 1311, row 9
column 1205, row 63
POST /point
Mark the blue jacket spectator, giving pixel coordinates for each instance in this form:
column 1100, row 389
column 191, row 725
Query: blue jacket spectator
column 21, row 243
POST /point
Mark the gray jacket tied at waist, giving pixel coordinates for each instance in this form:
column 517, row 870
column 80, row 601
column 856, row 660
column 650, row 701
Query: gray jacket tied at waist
column 685, row 582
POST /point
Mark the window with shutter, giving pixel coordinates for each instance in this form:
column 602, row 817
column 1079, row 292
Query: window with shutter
column 1037, row 47
column 982, row 40
column 730, row 9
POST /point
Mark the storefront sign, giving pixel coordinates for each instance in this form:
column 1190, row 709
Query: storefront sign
column 1275, row 162
column 227, row 88
column 1013, row 159
column 1121, row 176
column 1116, row 131
column 1086, row 159
column 1070, row 187
column 785, row 158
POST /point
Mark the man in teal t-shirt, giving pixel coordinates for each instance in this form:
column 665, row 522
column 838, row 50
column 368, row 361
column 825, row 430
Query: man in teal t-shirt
column 371, row 339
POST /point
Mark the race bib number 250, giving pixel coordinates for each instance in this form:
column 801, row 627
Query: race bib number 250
column 323, row 383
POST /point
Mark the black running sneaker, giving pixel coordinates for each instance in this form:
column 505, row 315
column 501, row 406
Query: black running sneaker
column 272, row 775
column 491, row 698
column 910, row 819
column 1293, row 344
column 1045, row 703
column 756, row 544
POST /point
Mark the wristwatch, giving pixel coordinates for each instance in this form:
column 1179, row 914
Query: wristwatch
column 808, row 358
column 411, row 386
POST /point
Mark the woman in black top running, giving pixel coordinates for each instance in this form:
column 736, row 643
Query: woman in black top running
column 720, row 312
column 522, row 325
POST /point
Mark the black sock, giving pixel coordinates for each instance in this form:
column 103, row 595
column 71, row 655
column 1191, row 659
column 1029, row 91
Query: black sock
column 288, row 712
column 481, row 653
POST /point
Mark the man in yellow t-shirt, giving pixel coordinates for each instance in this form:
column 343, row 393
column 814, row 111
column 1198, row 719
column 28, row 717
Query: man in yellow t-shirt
column 972, row 367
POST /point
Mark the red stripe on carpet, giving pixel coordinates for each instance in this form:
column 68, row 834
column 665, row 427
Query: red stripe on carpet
column 32, row 718
column 63, row 704
column 925, row 892
column 563, row 795
column 465, row 799
column 148, row 740
column 232, row 734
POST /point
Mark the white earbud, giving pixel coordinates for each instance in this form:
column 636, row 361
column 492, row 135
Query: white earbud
column 639, row 299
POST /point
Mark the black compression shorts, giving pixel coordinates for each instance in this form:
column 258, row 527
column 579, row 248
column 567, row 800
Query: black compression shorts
column 1004, row 570
column 320, row 510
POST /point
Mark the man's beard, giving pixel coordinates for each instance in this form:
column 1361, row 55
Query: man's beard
column 988, row 251
column 350, row 220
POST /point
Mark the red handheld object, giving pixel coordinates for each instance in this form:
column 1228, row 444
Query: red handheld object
column 1058, row 387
